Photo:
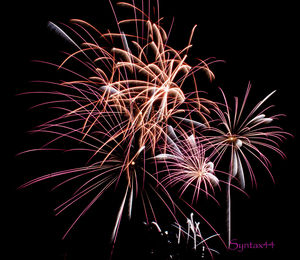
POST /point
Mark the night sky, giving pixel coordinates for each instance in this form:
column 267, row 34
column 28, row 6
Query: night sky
column 254, row 42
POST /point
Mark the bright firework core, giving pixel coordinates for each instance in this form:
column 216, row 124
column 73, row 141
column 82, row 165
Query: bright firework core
column 233, row 139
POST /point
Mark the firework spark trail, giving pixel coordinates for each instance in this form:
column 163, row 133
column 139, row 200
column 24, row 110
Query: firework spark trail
column 243, row 135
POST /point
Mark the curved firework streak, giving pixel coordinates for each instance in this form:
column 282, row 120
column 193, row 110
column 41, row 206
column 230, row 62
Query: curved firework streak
column 243, row 135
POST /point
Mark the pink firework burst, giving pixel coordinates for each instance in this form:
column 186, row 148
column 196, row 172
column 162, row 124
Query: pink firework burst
column 243, row 135
column 187, row 164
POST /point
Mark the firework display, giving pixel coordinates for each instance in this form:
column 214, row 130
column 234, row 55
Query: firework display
column 147, row 137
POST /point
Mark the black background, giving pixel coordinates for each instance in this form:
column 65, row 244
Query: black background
column 257, row 41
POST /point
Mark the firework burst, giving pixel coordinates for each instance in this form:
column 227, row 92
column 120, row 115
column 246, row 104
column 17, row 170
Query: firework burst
column 119, row 110
column 243, row 136
column 187, row 165
column 143, row 77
